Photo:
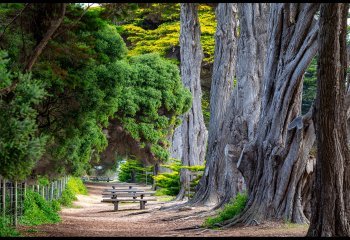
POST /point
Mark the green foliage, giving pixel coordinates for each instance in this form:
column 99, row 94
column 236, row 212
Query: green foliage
column 230, row 210
column 165, row 37
column 74, row 186
column 20, row 143
column 110, row 44
column 43, row 181
column 38, row 211
column 81, row 80
column 206, row 106
column 151, row 97
column 133, row 171
column 6, row 230
column 67, row 198
column 169, row 183
column 77, row 185
column 56, row 206
column 309, row 86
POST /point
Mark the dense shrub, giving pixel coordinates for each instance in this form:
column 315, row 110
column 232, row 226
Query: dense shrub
column 38, row 211
column 169, row 183
column 20, row 144
column 230, row 210
column 74, row 186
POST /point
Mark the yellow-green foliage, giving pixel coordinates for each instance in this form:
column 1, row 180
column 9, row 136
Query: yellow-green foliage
column 170, row 182
column 74, row 186
column 230, row 210
column 164, row 38
column 77, row 185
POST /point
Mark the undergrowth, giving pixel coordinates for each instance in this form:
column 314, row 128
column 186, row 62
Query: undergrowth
column 39, row 211
column 230, row 210
column 6, row 230
column 74, row 186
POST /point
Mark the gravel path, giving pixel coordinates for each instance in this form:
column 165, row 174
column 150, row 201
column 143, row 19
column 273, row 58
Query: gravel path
column 91, row 218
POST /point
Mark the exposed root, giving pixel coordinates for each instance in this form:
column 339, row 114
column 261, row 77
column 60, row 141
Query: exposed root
column 138, row 213
column 187, row 228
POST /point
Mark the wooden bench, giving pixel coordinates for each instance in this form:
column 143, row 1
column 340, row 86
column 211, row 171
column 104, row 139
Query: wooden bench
column 130, row 194
column 122, row 194
column 116, row 201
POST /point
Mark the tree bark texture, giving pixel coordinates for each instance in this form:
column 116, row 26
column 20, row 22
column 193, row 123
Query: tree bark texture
column 330, row 212
column 239, row 108
column 193, row 133
column 276, row 163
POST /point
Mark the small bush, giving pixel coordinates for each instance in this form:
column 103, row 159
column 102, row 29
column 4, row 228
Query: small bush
column 56, row 206
column 229, row 211
column 5, row 228
column 38, row 211
column 77, row 186
column 170, row 182
column 74, row 186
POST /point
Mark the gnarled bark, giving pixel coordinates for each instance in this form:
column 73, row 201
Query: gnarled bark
column 274, row 164
column 192, row 133
column 233, row 113
column 330, row 212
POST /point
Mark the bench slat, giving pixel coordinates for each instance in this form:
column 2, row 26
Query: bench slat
column 128, row 200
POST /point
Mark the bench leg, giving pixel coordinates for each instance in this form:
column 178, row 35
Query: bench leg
column 116, row 206
column 142, row 204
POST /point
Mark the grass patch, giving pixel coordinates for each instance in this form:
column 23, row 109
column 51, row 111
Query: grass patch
column 39, row 211
column 233, row 208
column 288, row 224
column 165, row 198
column 32, row 230
column 6, row 230
column 162, row 192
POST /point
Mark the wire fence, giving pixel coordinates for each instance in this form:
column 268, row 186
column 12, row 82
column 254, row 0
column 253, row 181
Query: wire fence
column 12, row 196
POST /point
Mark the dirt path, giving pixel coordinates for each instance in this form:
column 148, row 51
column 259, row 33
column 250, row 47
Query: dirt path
column 92, row 218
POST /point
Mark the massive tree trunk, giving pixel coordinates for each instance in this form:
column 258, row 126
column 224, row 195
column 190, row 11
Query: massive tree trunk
column 330, row 212
column 233, row 114
column 192, row 132
column 276, row 163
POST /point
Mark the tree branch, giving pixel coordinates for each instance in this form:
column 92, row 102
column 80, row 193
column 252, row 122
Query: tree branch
column 42, row 44
column 19, row 14
column 38, row 49
column 75, row 22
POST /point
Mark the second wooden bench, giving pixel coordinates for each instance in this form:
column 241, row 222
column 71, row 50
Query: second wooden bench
column 116, row 201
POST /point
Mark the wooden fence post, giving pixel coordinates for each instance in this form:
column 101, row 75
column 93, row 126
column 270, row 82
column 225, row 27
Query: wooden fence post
column 51, row 192
column 56, row 188
column 3, row 197
column 15, row 205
